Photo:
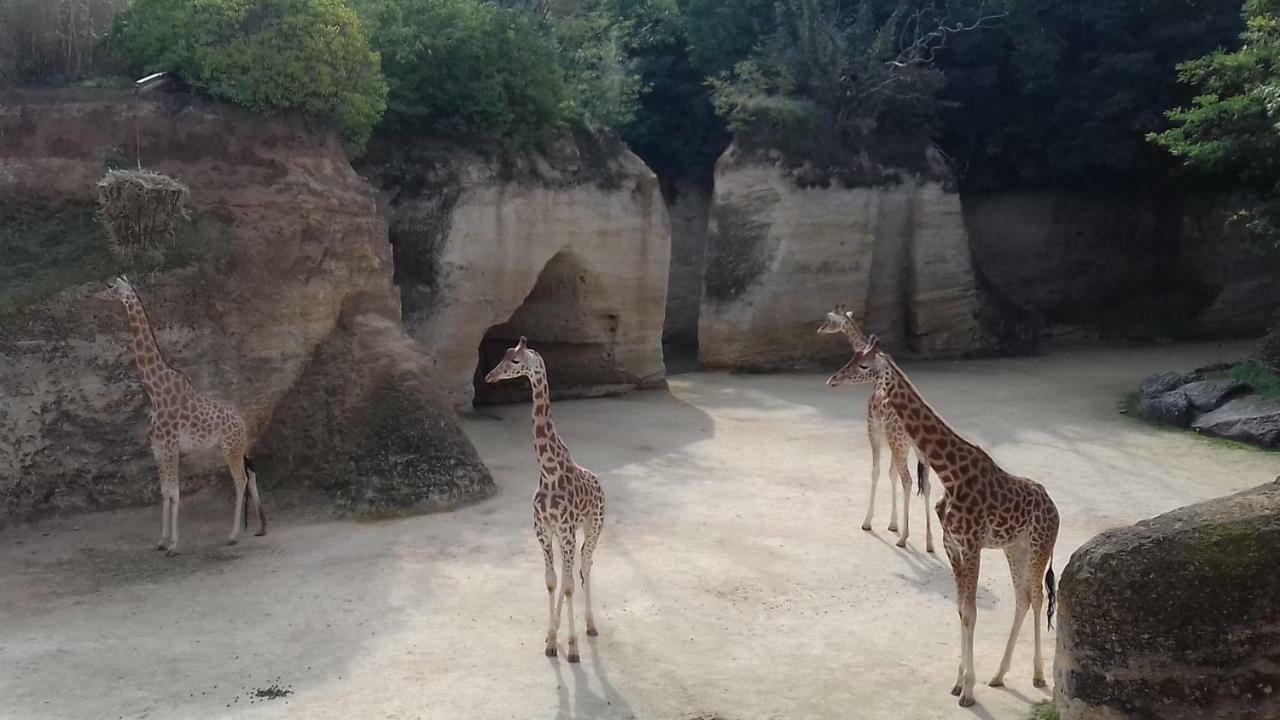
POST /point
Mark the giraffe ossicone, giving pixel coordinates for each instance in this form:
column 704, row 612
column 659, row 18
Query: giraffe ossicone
column 984, row 507
column 883, row 425
column 568, row 497
column 182, row 419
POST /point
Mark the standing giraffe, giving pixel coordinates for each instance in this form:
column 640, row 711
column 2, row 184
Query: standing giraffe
column 568, row 497
column 984, row 507
column 182, row 419
column 883, row 424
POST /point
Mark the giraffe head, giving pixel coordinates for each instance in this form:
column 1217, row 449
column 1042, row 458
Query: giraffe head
column 839, row 320
column 519, row 361
column 863, row 367
column 121, row 288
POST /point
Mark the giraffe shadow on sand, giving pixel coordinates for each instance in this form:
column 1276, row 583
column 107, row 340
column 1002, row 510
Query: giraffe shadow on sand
column 930, row 573
column 587, row 704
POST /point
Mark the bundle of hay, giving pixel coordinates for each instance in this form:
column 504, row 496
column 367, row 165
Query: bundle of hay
column 140, row 211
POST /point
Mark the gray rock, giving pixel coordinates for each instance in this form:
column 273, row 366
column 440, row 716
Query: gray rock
column 1176, row 617
column 1161, row 383
column 1252, row 419
column 1170, row 408
column 1207, row 395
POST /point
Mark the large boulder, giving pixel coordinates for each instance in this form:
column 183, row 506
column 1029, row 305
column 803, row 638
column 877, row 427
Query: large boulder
column 1253, row 419
column 570, row 248
column 1176, row 617
column 1207, row 395
column 285, row 240
column 781, row 251
column 1170, row 408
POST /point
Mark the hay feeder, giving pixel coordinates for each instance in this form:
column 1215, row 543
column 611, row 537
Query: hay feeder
column 140, row 210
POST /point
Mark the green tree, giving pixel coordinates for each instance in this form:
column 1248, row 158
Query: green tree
column 310, row 56
column 1231, row 129
column 467, row 70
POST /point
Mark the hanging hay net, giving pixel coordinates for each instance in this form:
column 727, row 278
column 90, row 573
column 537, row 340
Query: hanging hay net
column 140, row 210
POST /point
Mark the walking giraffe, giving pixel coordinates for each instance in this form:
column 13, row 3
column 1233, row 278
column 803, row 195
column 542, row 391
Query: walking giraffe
column 883, row 424
column 984, row 507
column 568, row 497
column 182, row 419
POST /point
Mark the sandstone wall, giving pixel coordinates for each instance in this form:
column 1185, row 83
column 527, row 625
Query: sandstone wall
column 1175, row 617
column 1148, row 261
column 780, row 254
column 285, row 240
column 571, row 248
column 689, row 207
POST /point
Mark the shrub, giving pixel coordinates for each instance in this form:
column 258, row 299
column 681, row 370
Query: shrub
column 310, row 56
column 467, row 69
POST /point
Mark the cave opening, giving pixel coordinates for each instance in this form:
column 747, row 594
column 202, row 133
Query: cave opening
column 563, row 321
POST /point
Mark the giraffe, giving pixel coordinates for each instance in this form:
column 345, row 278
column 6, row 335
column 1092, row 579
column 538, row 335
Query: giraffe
column 568, row 497
column 984, row 507
column 883, row 424
column 182, row 419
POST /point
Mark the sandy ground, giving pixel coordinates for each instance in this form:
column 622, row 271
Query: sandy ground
column 732, row 582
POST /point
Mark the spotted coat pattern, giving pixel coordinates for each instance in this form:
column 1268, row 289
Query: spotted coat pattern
column 568, row 497
column 182, row 419
column 883, row 425
column 984, row 507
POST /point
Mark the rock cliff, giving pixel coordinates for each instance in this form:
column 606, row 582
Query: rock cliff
column 285, row 241
column 780, row 252
column 570, row 248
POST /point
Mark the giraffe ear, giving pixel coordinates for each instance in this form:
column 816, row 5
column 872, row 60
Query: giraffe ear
column 873, row 345
column 524, row 342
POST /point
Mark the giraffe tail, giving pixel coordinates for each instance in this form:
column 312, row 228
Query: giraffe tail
column 922, row 477
column 1052, row 595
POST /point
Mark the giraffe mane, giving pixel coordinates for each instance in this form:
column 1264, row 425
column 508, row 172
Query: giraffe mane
column 902, row 377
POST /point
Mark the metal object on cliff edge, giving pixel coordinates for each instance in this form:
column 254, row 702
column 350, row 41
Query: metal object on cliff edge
column 140, row 210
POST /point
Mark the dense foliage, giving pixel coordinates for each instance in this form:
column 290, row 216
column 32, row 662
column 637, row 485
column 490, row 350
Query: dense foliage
column 466, row 69
column 305, row 55
column 1231, row 128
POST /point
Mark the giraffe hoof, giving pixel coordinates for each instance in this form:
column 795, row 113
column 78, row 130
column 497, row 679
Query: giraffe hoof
column 901, row 543
column 231, row 542
column 929, row 549
column 551, row 652
column 996, row 682
column 1039, row 682
column 260, row 533
column 956, row 690
column 161, row 547
column 172, row 553
column 966, row 701
column 592, row 632
column 866, row 526
column 573, row 658
column 893, row 528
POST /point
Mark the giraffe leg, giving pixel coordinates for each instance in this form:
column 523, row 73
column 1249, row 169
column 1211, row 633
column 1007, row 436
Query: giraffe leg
column 893, row 487
column 875, row 437
column 167, row 459
column 567, row 552
column 928, row 517
column 966, row 564
column 904, row 478
column 591, row 536
column 257, row 504
column 548, row 557
column 1040, row 560
column 234, row 456
column 1018, row 555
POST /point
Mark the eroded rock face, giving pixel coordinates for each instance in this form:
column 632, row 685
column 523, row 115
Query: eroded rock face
column 1140, row 263
column 1175, row 617
column 285, row 239
column 780, row 255
column 573, row 254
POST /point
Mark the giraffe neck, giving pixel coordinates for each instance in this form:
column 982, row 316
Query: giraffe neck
column 955, row 460
column 152, row 370
column 855, row 338
column 546, row 442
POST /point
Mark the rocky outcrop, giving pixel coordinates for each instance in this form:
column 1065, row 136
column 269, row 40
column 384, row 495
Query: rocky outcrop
column 780, row 253
column 570, row 248
column 1212, row 404
column 1175, row 617
column 689, row 207
column 1150, row 263
column 285, row 240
